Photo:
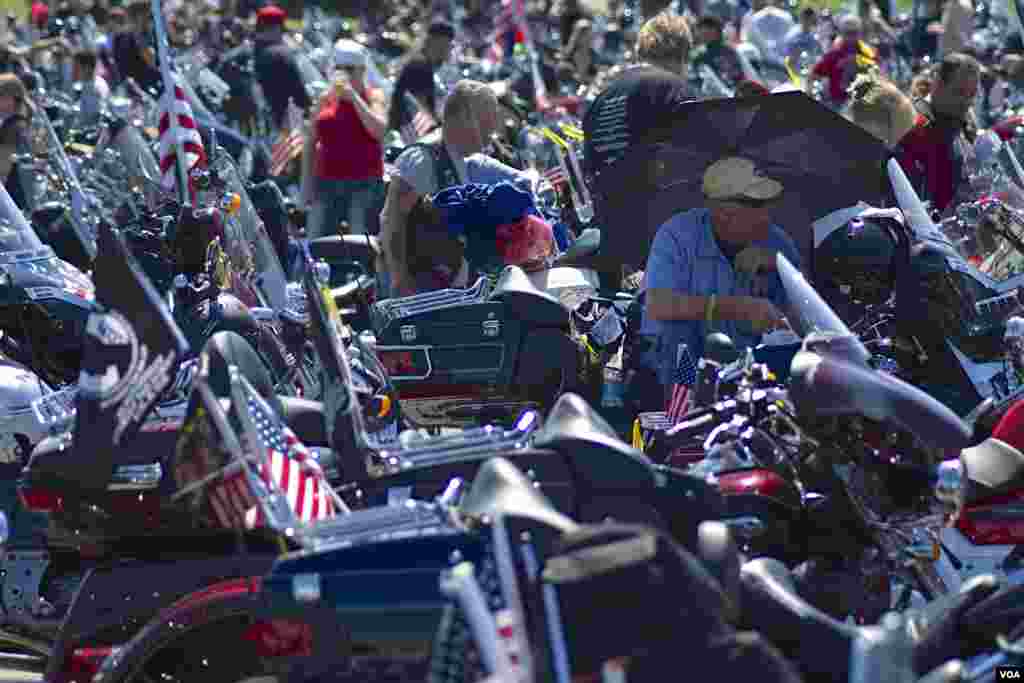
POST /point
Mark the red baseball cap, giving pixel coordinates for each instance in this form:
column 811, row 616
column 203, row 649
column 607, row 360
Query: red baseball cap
column 271, row 15
column 40, row 12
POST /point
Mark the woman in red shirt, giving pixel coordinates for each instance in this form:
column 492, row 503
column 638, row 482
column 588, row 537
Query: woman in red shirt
column 348, row 155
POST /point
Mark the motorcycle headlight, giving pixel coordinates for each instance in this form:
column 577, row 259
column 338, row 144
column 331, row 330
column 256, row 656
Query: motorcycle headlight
column 950, row 482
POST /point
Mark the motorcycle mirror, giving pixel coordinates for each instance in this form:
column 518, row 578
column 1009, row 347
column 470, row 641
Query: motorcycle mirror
column 5, row 529
column 720, row 348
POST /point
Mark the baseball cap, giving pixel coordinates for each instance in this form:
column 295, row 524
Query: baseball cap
column 735, row 177
column 271, row 15
column 349, row 53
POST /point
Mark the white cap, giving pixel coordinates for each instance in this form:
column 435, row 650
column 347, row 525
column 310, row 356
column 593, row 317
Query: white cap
column 735, row 177
column 349, row 53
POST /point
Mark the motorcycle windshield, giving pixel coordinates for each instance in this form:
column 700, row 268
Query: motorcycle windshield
column 137, row 157
column 16, row 234
column 812, row 317
column 257, row 277
column 991, row 238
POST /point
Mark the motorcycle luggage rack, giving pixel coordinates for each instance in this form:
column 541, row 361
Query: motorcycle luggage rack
column 390, row 309
column 449, row 448
column 411, row 519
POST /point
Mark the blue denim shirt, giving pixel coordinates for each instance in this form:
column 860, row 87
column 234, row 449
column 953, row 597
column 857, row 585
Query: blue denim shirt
column 685, row 258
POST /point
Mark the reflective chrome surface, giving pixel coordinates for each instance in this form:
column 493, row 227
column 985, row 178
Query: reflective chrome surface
column 949, row 486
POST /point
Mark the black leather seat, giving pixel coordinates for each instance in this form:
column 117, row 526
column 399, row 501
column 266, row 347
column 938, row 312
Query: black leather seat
column 993, row 467
column 499, row 487
column 271, row 207
column 361, row 248
column 306, row 419
column 526, row 302
column 575, row 429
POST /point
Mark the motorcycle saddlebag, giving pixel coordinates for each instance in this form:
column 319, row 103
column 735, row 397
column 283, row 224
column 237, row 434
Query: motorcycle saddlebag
column 632, row 576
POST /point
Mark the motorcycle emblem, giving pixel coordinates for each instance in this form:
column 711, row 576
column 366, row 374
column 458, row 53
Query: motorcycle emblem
column 130, row 380
column 408, row 333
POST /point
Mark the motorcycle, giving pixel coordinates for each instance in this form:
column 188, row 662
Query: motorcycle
column 927, row 313
column 108, row 484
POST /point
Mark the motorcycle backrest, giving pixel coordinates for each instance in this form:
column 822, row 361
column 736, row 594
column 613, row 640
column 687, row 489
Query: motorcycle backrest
column 573, row 427
column 516, row 291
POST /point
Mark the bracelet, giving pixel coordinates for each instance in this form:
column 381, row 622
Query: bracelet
column 709, row 310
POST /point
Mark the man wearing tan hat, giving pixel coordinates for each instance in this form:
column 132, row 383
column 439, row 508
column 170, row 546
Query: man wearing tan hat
column 713, row 269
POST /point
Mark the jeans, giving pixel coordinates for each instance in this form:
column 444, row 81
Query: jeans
column 344, row 200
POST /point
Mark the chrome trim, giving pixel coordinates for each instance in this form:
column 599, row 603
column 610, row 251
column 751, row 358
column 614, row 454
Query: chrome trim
column 949, row 486
column 745, row 528
column 136, row 477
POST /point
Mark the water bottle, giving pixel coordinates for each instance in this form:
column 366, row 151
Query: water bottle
column 613, row 388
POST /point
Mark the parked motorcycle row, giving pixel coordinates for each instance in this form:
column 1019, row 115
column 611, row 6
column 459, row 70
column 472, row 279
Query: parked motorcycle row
column 235, row 463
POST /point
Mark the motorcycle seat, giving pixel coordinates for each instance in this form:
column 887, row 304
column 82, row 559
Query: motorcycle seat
column 500, row 488
column 575, row 428
column 362, row 248
column 992, row 467
column 515, row 290
column 306, row 419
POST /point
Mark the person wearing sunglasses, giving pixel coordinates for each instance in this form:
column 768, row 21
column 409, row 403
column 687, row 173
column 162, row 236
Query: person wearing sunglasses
column 712, row 269
column 346, row 152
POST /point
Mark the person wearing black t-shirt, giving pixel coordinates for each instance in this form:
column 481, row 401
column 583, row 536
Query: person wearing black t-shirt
column 133, row 56
column 275, row 67
column 417, row 76
column 639, row 107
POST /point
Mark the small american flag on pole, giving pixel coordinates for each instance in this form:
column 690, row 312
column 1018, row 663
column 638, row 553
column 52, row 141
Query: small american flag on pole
column 684, row 376
column 289, row 145
column 556, row 176
column 283, row 463
column 187, row 134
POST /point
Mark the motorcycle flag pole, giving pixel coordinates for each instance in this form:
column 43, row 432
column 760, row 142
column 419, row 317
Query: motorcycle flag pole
column 164, row 58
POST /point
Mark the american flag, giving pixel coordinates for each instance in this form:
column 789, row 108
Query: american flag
column 684, row 377
column 421, row 124
column 286, row 465
column 188, row 135
column 287, row 149
column 289, row 145
column 556, row 176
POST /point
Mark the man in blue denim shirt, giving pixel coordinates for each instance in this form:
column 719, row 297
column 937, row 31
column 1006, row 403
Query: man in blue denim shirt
column 713, row 269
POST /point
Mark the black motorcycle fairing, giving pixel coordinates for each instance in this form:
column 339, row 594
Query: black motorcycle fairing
column 992, row 467
column 194, row 231
column 940, row 627
column 826, row 386
column 573, row 425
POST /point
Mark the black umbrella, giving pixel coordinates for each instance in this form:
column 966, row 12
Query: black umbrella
column 824, row 161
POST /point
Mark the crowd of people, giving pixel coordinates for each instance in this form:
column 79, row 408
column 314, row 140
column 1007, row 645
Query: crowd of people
column 700, row 265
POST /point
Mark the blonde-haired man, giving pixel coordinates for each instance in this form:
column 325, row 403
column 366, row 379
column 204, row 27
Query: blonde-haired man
column 640, row 106
column 453, row 155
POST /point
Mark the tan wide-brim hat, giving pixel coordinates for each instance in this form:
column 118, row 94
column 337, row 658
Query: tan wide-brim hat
column 736, row 178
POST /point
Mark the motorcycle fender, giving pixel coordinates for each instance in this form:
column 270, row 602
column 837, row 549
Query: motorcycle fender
column 121, row 599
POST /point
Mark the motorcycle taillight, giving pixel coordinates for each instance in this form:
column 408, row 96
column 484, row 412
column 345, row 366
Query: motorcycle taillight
column 37, row 499
column 83, row 664
column 281, row 638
